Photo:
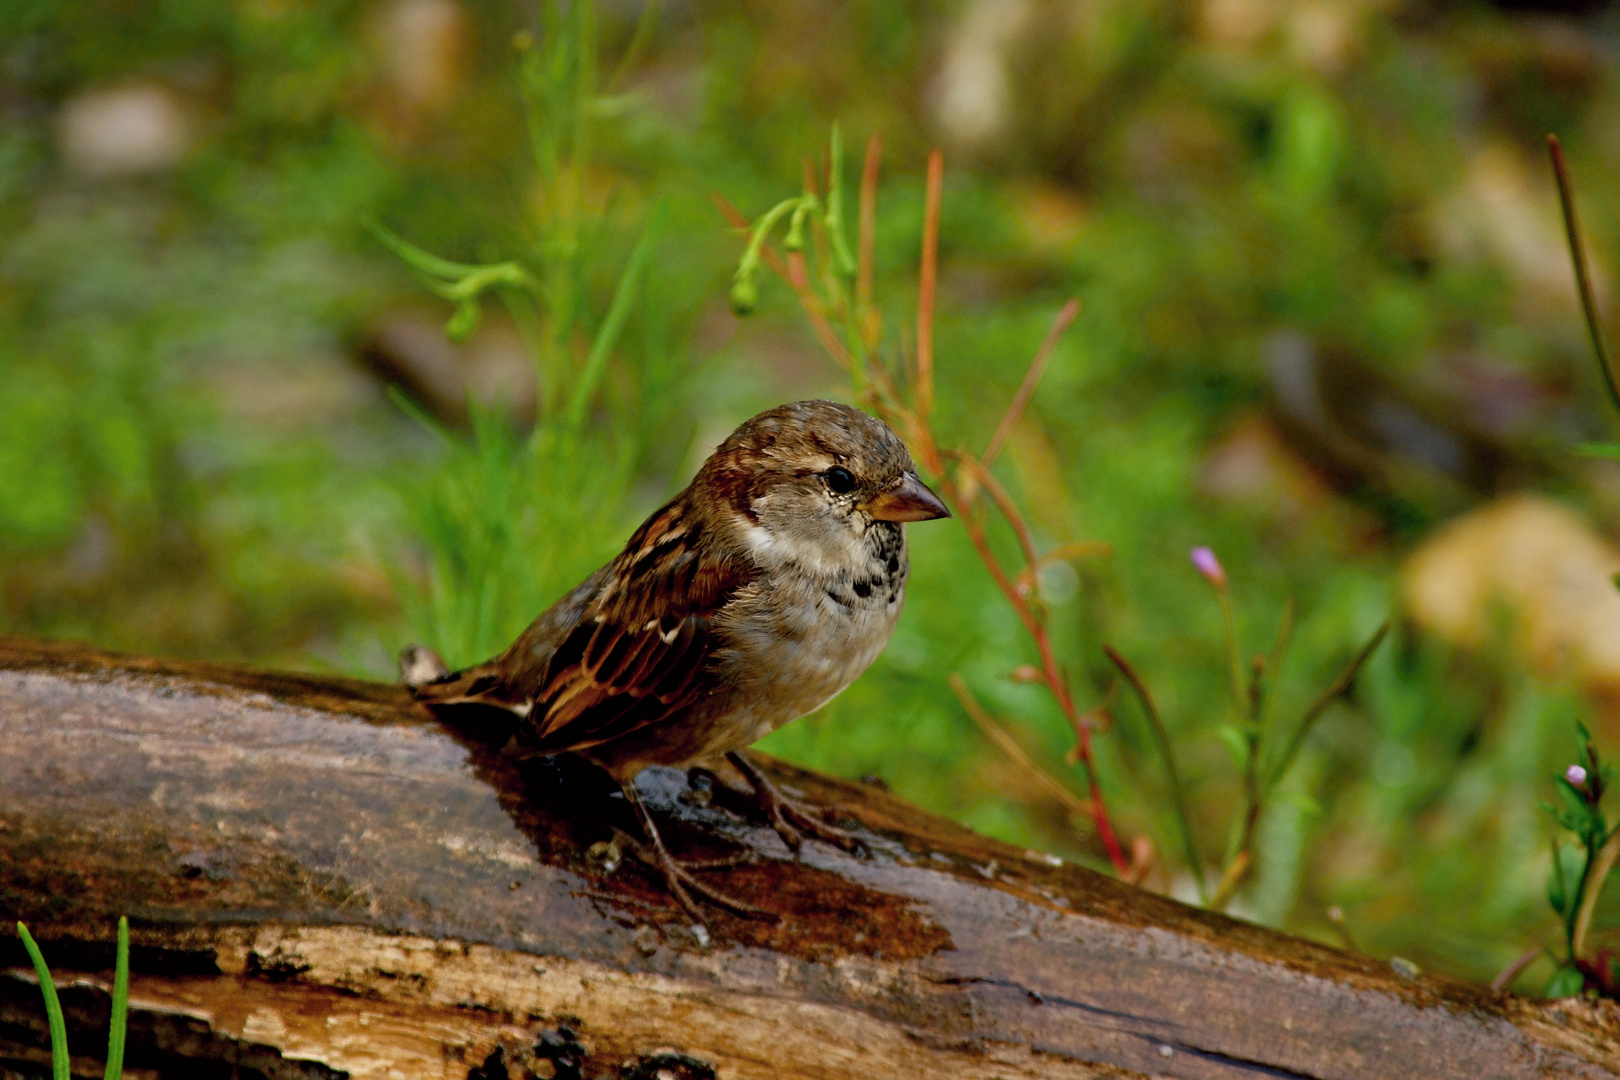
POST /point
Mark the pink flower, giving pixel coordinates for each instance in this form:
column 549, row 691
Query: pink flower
column 1575, row 775
column 1204, row 560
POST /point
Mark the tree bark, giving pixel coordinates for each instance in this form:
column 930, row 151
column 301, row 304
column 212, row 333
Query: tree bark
column 324, row 879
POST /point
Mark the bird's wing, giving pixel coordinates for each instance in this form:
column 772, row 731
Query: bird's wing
column 635, row 651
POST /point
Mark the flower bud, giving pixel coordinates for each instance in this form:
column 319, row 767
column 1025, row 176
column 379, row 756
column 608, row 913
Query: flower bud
column 1205, row 562
column 744, row 295
column 1575, row 775
column 464, row 321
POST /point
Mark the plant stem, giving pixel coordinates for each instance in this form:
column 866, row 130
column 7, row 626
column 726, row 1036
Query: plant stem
column 1223, row 595
column 1513, row 970
column 1327, row 697
column 1009, row 746
column 1162, row 737
column 1597, row 871
column 1032, row 378
column 1583, row 277
column 928, row 283
column 1236, row 870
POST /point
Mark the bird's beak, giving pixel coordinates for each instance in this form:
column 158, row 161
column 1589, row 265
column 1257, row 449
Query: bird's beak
column 909, row 501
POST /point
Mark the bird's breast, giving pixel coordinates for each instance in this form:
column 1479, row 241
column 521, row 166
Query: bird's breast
column 796, row 641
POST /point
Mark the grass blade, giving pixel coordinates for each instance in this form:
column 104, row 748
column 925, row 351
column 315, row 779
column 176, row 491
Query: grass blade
column 1583, row 277
column 120, row 1004
column 53, row 1007
column 618, row 313
column 1327, row 697
column 1162, row 737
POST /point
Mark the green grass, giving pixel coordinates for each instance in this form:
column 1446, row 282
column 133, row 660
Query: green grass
column 60, row 1061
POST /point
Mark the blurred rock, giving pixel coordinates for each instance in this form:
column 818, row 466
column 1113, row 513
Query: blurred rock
column 1506, row 214
column 126, row 130
column 423, row 48
column 318, row 390
column 1325, row 35
column 1238, row 25
column 1253, row 464
column 1051, row 217
column 972, row 92
column 1175, row 152
column 493, row 368
column 1364, row 429
column 1540, row 563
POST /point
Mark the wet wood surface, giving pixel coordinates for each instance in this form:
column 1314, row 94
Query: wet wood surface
column 323, row 879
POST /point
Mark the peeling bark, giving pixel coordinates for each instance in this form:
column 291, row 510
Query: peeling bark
column 323, row 879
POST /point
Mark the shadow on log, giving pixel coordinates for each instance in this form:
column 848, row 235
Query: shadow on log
column 324, row 880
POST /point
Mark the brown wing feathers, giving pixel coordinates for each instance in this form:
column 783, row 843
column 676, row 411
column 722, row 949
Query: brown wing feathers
column 630, row 657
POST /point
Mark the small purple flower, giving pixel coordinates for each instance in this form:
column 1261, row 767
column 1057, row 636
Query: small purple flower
column 1575, row 775
column 1204, row 560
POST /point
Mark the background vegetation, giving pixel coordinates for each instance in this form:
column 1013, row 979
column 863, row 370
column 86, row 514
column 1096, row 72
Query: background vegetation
column 1326, row 310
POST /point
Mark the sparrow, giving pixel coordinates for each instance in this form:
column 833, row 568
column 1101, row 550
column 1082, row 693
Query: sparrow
column 751, row 598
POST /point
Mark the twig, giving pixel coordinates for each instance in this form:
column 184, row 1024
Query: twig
column 1162, row 737
column 1009, row 746
column 1032, row 377
column 1583, row 278
column 1515, row 969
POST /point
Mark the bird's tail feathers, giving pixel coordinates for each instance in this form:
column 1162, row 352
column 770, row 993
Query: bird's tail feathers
column 433, row 683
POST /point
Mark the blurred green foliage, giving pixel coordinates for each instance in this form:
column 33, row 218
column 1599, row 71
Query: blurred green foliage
column 193, row 461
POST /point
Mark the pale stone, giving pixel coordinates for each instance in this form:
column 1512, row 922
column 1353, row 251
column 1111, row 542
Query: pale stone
column 1539, row 562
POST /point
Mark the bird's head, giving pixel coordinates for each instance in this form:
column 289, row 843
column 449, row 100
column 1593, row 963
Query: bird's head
column 809, row 482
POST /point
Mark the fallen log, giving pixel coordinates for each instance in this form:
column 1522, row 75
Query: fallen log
column 323, row 879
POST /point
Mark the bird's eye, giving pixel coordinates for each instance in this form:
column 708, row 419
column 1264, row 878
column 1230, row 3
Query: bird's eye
column 840, row 481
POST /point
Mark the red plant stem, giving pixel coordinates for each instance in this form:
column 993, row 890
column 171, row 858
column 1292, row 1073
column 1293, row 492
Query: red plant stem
column 1052, row 675
column 998, row 495
column 865, row 267
column 926, row 448
column 799, row 278
column 1032, row 378
column 736, row 220
column 927, row 285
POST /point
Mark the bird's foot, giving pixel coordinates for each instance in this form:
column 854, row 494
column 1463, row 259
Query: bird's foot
column 792, row 819
column 678, row 876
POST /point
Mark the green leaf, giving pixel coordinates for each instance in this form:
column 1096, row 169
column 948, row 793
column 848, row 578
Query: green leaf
column 1593, row 449
column 1557, row 890
column 1308, row 807
column 1577, row 813
column 53, row 1007
column 1236, row 743
column 1567, row 981
column 618, row 312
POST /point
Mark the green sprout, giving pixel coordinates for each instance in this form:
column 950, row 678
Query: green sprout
column 60, row 1061
column 1578, row 871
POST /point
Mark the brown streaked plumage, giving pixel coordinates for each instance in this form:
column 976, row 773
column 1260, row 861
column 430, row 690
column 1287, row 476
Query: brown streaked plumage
column 748, row 600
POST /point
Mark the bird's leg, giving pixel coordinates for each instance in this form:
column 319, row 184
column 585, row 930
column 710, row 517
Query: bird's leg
column 682, row 884
column 790, row 818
